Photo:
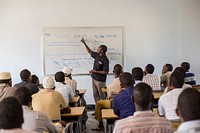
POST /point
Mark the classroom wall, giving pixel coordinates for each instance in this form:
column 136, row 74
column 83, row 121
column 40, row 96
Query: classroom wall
column 155, row 31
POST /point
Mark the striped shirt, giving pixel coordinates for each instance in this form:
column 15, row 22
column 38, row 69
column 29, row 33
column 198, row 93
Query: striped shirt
column 190, row 78
column 152, row 80
column 143, row 122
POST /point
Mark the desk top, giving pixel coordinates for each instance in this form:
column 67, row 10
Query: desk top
column 104, row 90
column 75, row 99
column 157, row 94
column 196, row 87
column 82, row 91
column 109, row 114
column 75, row 111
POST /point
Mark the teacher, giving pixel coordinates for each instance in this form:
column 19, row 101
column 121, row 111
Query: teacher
column 100, row 70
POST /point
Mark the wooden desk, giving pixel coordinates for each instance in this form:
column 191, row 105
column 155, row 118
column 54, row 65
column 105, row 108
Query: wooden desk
column 81, row 91
column 109, row 119
column 75, row 116
column 157, row 94
column 75, row 111
column 109, row 114
column 196, row 87
column 104, row 90
column 74, row 101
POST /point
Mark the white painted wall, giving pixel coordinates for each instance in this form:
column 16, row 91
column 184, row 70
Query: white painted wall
column 155, row 31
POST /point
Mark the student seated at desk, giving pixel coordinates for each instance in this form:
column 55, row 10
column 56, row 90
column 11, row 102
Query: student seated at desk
column 122, row 103
column 188, row 109
column 164, row 78
column 166, row 108
column 61, row 87
column 25, row 76
column 114, row 87
column 33, row 120
column 68, row 78
column 11, row 116
column 189, row 76
column 49, row 101
column 150, row 78
column 181, row 70
column 143, row 120
column 5, row 85
column 137, row 74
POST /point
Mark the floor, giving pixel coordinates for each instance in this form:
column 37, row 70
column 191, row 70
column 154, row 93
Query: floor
column 91, row 124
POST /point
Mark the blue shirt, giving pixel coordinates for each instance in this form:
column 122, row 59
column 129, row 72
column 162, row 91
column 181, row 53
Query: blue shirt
column 123, row 105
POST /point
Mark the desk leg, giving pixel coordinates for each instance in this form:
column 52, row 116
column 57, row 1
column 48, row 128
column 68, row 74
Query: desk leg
column 105, row 125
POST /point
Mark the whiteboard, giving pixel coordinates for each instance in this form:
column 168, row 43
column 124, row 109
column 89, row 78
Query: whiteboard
column 62, row 47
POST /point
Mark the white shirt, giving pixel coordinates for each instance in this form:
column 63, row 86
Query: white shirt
column 189, row 127
column 65, row 90
column 36, row 121
column 168, row 102
column 114, row 87
column 15, row 130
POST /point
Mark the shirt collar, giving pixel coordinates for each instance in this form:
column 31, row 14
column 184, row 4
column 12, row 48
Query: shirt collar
column 142, row 112
column 193, row 125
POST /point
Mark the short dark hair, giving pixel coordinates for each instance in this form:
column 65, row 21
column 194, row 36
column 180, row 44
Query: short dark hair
column 185, row 65
column 117, row 69
column 189, row 104
column 143, row 95
column 11, row 114
column 180, row 69
column 169, row 67
column 176, row 79
column 125, row 79
column 104, row 48
column 25, row 74
column 23, row 94
column 35, row 79
column 150, row 68
column 6, row 81
column 137, row 73
column 60, row 76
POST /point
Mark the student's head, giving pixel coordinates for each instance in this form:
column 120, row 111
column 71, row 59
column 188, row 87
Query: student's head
column 102, row 49
column 67, row 71
column 176, row 79
column 149, row 69
column 23, row 94
column 48, row 82
column 180, row 69
column 25, row 75
column 166, row 68
column 35, row 80
column 137, row 73
column 60, row 77
column 11, row 114
column 188, row 107
column 117, row 69
column 5, row 77
column 142, row 96
column 185, row 65
column 125, row 79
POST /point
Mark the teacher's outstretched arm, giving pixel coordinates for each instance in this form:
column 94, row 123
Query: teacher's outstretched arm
column 86, row 46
